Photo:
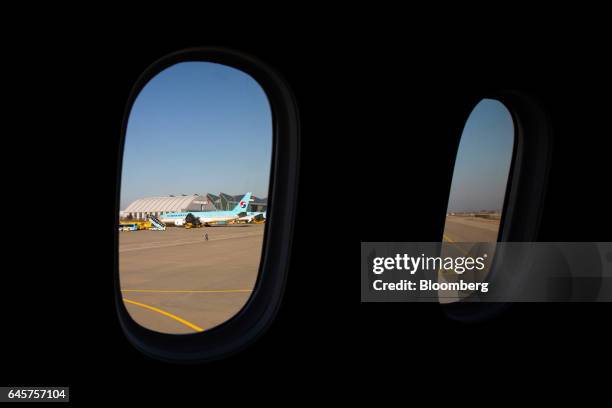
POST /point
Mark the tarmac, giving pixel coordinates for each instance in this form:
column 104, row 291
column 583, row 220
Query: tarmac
column 174, row 281
column 470, row 229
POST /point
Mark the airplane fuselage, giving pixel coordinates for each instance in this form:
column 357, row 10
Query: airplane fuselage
column 209, row 217
column 206, row 217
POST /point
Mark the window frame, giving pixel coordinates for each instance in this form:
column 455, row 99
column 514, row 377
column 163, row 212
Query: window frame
column 258, row 313
column 525, row 190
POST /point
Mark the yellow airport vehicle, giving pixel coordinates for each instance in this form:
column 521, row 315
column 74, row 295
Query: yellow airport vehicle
column 135, row 225
column 189, row 225
column 128, row 226
column 192, row 222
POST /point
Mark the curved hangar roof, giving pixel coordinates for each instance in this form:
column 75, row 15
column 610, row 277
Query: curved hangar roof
column 169, row 204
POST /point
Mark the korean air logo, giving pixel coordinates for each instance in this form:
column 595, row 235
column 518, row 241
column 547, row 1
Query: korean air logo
column 243, row 204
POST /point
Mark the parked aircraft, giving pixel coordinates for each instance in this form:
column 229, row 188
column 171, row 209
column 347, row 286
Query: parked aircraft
column 210, row 217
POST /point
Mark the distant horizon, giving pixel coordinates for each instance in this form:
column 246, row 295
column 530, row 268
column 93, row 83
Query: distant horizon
column 481, row 210
column 475, row 210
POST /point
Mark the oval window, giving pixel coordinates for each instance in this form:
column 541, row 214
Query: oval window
column 480, row 177
column 475, row 210
column 196, row 167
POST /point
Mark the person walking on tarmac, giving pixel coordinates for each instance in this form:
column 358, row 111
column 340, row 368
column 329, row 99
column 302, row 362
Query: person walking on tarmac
column 206, row 236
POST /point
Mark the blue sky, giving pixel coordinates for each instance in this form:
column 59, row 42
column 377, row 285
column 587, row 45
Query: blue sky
column 197, row 127
column 483, row 160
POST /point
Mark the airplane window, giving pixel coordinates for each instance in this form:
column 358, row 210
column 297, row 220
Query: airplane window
column 479, row 184
column 189, row 262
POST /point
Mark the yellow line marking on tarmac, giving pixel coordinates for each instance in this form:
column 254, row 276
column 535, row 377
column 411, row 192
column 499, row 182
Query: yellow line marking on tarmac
column 447, row 239
column 163, row 312
column 461, row 250
column 186, row 291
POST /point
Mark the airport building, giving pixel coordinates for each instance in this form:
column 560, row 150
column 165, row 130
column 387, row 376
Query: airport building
column 143, row 207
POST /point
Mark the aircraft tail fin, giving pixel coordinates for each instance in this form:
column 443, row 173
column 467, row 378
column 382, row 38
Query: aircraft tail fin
column 243, row 204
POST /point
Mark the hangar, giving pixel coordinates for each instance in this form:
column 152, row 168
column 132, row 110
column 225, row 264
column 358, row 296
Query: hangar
column 157, row 206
